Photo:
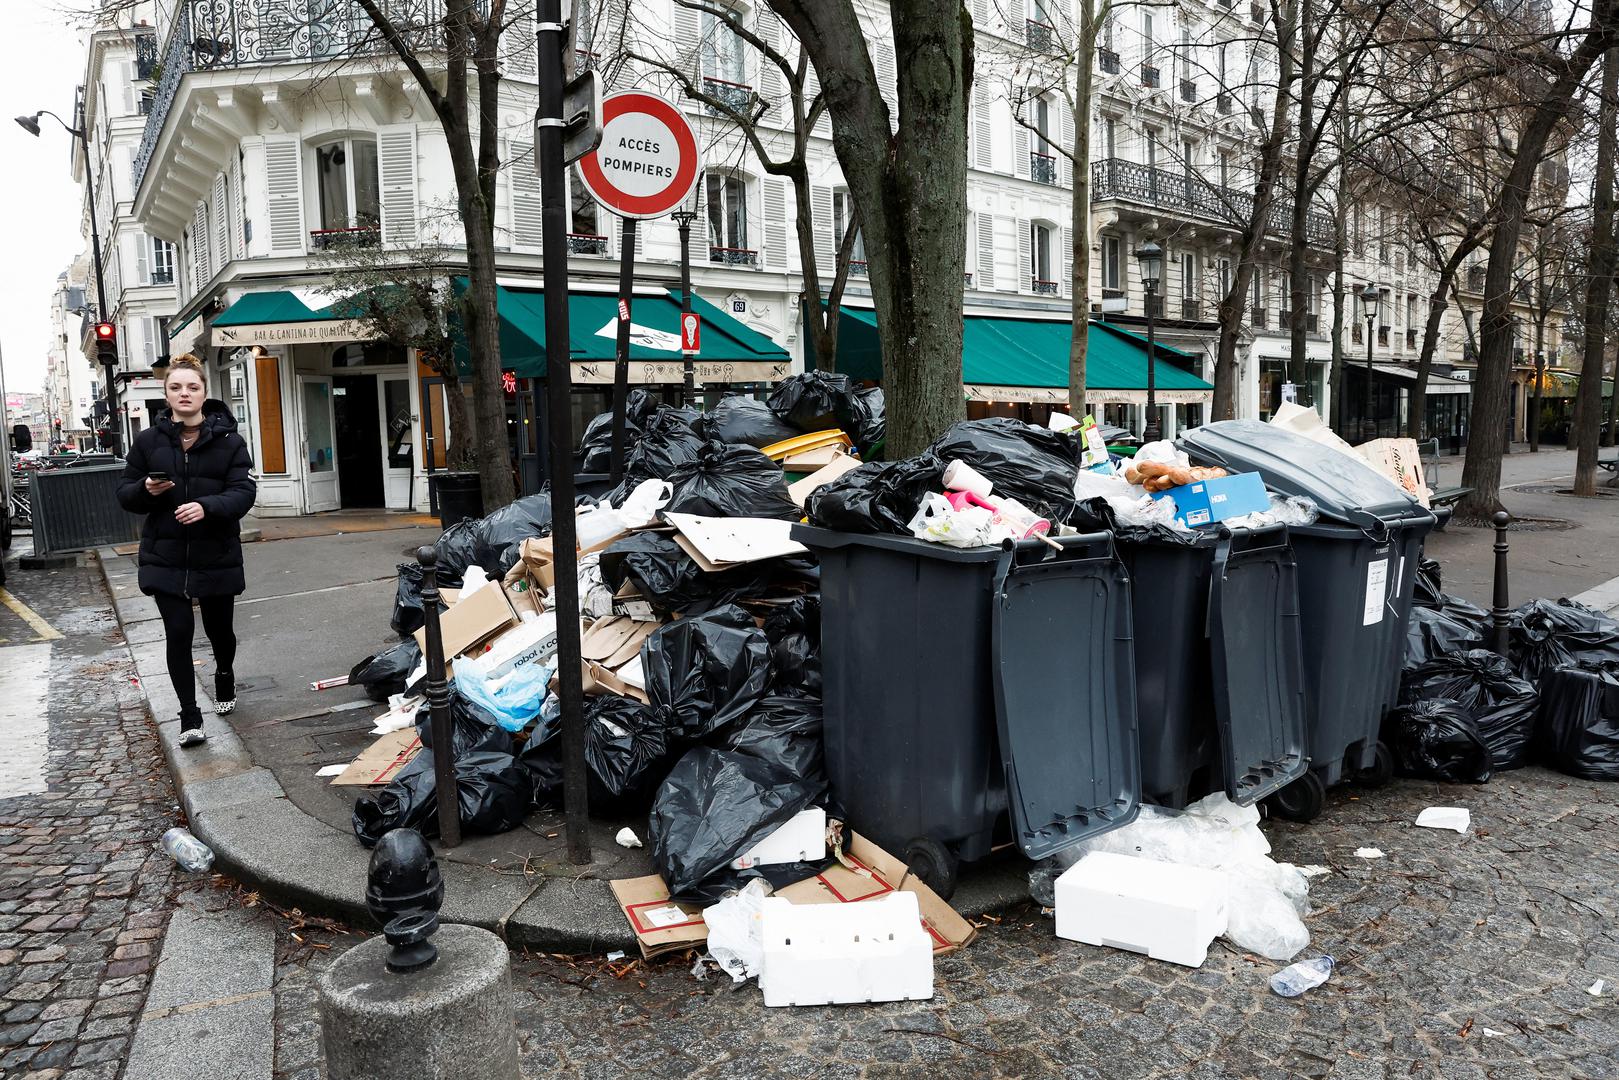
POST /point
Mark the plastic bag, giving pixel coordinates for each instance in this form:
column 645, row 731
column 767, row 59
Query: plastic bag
column 707, row 671
column 1438, row 739
column 731, row 481
column 794, row 632
column 1483, row 683
column 862, row 416
column 627, row 747
column 513, row 699
column 640, row 508
column 809, row 401
column 1034, row 465
column 877, row 497
column 1553, row 633
column 409, row 612
column 493, row 792
column 785, row 731
column 1578, row 722
column 596, row 447
column 672, row 582
column 500, row 535
column 736, row 938
column 1290, row 510
column 667, row 440
column 745, row 421
column 457, row 548
column 1429, row 587
column 1163, row 452
column 472, row 727
column 713, row 806
column 938, row 522
column 386, row 673
column 1432, row 633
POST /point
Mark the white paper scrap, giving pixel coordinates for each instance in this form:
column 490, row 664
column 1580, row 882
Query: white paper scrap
column 1368, row 853
column 1456, row 818
column 332, row 770
column 1595, row 989
column 626, row 838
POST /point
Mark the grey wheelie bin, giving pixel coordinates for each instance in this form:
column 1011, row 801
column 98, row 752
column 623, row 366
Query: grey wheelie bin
column 976, row 697
column 1219, row 663
column 1357, row 567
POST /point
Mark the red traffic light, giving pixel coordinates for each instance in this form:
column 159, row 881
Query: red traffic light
column 106, row 331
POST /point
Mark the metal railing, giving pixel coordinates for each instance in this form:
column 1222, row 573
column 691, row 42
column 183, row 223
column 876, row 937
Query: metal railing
column 145, row 55
column 1222, row 104
column 1475, row 279
column 1410, row 339
column 731, row 256
column 1191, row 310
column 967, row 280
column 163, row 275
column 857, row 268
column 363, row 236
column 1257, row 12
column 1131, row 181
column 737, row 96
column 1154, row 304
column 587, row 244
column 1149, row 75
column 1042, row 167
column 1042, row 287
column 1042, row 37
column 1357, row 335
column 1108, row 61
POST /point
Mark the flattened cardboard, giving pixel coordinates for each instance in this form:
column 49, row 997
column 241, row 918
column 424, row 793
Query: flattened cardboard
column 614, row 641
column 535, row 564
column 476, row 618
column 380, row 762
column 1401, row 462
column 800, row 490
column 717, row 543
column 660, row 925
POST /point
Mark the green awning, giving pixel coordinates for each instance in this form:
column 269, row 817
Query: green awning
column 270, row 307
column 1031, row 355
column 729, row 352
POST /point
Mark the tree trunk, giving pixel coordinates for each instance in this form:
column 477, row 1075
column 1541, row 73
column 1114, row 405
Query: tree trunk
column 1335, row 376
column 1490, row 413
column 1430, row 332
column 1080, row 211
column 1298, row 266
column 1599, row 286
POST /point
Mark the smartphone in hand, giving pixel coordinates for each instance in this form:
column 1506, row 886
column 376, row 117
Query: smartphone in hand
column 160, row 477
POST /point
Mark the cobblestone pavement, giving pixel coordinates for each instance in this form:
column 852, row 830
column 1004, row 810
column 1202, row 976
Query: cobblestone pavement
column 1459, row 957
column 84, row 894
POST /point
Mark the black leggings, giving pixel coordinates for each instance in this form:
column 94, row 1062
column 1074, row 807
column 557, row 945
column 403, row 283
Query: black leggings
column 179, row 627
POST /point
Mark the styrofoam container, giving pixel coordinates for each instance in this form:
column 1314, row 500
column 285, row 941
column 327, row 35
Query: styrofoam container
column 1166, row 910
column 837, row 954
column 801, row 838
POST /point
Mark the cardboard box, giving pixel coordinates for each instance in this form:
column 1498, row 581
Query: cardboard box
column 660, row 925
column 534, row 565
column 478, row 617
column 718, row 543
column 1401, row 462
column 820, row 954
column 1168, row 911
column 608, row 649
column 800, row 490
column 1204, row 502
column 530, row 641
column 380, row 762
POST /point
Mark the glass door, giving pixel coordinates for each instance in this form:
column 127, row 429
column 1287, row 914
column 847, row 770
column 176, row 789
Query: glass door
column 320, row 454
column 398, row 446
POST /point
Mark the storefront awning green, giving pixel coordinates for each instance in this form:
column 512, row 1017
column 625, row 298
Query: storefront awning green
column 728, row 351
column 270, row 307
column 1030, row 353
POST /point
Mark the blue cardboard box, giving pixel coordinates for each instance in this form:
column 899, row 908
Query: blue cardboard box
column 1205, row 502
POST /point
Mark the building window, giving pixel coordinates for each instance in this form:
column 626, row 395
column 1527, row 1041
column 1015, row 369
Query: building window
column 724, row 62
column 1225, row 168
column 728, row 220
column 1110, row 263
column 162, row 262
column 1188, row 276
column 346, row 181
column 1042, row 159
column 586, row 236
column 1110, row 136
column 1152, row 148
column 1045, row 281
column 1225, row 279
column 842, row 218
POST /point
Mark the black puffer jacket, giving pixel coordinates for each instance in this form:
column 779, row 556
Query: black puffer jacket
column 203, row 559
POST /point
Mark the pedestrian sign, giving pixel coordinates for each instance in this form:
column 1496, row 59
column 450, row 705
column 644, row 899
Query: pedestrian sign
column 691, row 327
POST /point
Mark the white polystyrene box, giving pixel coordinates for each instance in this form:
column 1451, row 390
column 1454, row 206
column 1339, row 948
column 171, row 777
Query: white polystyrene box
column 1166, row 910
column 801, row 838
column 835, row 954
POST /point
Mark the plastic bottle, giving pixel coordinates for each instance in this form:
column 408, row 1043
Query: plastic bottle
column 192, row 854
column 1295, row 980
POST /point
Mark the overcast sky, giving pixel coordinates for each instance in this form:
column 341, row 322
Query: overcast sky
column 41, row 61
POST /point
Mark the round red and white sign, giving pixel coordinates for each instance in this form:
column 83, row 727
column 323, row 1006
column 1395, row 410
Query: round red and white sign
column 647, row 163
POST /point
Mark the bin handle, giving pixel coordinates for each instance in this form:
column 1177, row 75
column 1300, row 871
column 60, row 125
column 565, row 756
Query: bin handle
column 1256, row 539
column 1096, row 545
column 1222, row 559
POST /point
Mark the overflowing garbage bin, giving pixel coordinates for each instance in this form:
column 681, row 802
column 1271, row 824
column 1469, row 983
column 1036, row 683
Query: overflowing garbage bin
column 1219, row 664
column 1356, row 571
column 974, row 696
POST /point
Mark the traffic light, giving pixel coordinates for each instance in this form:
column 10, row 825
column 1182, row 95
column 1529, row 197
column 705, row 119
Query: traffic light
column 107, row 344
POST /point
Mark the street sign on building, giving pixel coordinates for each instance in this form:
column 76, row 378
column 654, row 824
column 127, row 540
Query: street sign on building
column 648, row 161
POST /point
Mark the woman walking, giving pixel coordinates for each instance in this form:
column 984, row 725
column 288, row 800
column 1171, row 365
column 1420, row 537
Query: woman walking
column 190, row 474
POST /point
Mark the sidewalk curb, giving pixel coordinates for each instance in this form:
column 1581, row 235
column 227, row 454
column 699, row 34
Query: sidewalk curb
column 260, row 838
column 1604, row 597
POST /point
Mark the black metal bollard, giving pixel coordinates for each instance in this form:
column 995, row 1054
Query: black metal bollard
column 1500, row 613
column 438, row 704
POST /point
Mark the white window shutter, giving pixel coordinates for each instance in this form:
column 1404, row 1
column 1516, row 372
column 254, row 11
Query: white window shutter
column 826, row 252
column 1067, row 261
column 238, row 227
column 149, row 331
column 525, row 198
column 768, row 26
column 221, row 223
column 143, row 248
column 1025, row 256
column 774, row 200
column 1020, row 150
column 284, row 190
column 126, row 77
column 1017, row 27
column 981, row 12
column 689, row 36
column 985, row 278
column 1067, row 145
column 983, row 125
column 812, row 87
column 199, row 244
column 396, row 181
column 518, row 42
column 887, row 81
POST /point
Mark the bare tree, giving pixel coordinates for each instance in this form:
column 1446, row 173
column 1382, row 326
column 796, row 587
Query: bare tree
column 1599, row 283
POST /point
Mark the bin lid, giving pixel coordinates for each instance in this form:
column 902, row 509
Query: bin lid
column 1065, row 701
column 1344, row 488
column 1256, row 662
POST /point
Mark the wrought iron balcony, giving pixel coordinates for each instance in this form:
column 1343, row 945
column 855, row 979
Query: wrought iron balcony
column 586, row 244
column 1042, row 167
column 1149, row 75
column 1188, row 89
column 1042, row 37
column 1192, row 195
column 1284, row 319
column 1191, row 310
column 967, row 280
column 1043, row 288
column 857, row 268
column 1523, row 293
column 163, row 275
column 1257, row 12
column 731, row 256
column 1154, row 305
column 1112, row 294
column 364, row 236
column 1108, row 61
column 737, row 96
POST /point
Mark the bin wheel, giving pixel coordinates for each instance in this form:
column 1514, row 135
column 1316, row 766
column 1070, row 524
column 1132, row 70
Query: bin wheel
column 934, row 863
column 1381, row 771
column 1302, row 800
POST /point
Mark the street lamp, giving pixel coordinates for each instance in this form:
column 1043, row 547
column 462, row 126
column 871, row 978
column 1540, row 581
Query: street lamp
column 683, row 218
column 30, row 124
column 1369, row 297
column 1151, row 258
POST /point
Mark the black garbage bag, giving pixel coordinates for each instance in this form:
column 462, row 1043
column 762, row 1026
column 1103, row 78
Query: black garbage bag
column 731, row 481
column 1434, row 632
column 1554, row 633
column 785, row 731
column 810, row 401
column 713, row 806
column 672, row 582
column 1483, row 683
column 492, row 789
column 1098, row 515
column 1429, row 588
column 409, row 613
column 877, row 497
column 1438, row 739
column 1034, row 465
column 383, row 674
column 794, row 631
column 500, row 535
column 473, row 729
column 595, row 453
column 745, row 421
column 457, row 549
column 1578, row 725
column 627, row 749
column 668, row 439
column 862, row 418
column 706, row 672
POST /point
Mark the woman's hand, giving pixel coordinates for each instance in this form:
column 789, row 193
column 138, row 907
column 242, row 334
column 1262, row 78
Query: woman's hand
column 189, row 514
column 157, row 487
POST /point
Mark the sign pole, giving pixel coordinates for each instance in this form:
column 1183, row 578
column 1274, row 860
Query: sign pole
column 621, row 363
column 684, row 218
column 548, row 153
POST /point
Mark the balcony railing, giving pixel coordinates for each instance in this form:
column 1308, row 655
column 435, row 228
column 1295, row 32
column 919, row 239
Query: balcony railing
column 365, row 236
column 163, row 275
column 1131, row 181
column 1259, row 318
column 737, row 96
column 1154, row 305
column 1383, row 336
column 1411, row 339
column 1108, row 61
column 1042, row 37
column 1523, row 293
column 1188, row 89
column 1042, row 167
column 858, row 268
column 1042, row 287
column 1191, row 310
column 145, row 56
column 586, row 244
column 731, row 256
column 1112, row 294
column 1149, row 75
